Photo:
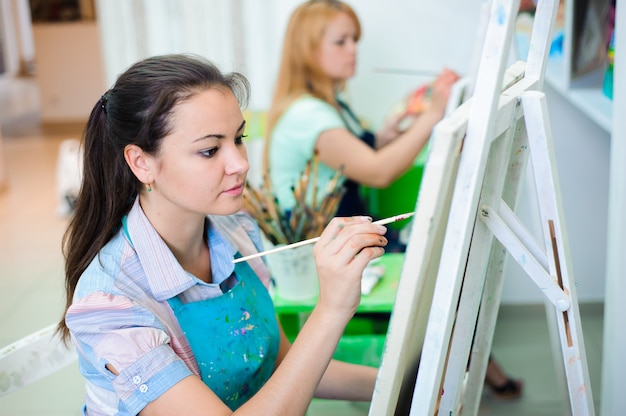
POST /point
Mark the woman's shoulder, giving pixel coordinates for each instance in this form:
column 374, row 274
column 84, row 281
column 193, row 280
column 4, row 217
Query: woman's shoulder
column 100, row 274
column 306, row 103
column 307, row 110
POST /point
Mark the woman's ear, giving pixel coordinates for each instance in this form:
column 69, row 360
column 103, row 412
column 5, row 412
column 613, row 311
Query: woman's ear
column 138, row 162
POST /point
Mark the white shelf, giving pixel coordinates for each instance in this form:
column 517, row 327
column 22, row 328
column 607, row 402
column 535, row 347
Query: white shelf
column 585, row 93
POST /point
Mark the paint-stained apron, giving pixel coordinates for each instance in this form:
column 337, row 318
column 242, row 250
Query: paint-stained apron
column 234, row 337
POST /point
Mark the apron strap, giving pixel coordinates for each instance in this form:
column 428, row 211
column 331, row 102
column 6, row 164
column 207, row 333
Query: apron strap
column 175, row 302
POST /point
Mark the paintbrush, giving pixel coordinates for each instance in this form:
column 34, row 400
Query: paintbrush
column 316, row 239
column 402, row 71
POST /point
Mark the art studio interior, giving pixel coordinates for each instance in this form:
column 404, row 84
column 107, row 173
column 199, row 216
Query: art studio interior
column 60, row 58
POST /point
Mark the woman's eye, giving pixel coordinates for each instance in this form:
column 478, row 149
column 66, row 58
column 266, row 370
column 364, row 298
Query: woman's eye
column 239, row 139
column 209, row 152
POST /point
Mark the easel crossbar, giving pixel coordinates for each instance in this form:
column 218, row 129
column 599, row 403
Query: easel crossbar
column 525, row 255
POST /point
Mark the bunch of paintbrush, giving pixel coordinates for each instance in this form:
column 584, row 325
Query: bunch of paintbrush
column 307, row 218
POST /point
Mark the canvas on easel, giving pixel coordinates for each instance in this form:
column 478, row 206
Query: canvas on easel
column 463, row 228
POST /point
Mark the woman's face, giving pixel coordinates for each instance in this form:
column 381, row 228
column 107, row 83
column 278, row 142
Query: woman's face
column 337, row 52
column 202, row 164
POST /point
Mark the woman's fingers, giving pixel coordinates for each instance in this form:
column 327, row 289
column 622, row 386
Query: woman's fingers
column 351, row 234
column 345, row 248
column 441, row 88
column 361, row 247
column 338, row 224
column 347, row 245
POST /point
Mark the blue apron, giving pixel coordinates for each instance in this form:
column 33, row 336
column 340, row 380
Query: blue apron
column 234, row 337
column 352, row 202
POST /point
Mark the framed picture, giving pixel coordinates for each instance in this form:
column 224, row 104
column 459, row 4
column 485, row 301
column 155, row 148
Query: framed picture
column 48, row 11
column 589, row 45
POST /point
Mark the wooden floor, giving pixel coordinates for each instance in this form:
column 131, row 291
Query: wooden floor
column 31, row 285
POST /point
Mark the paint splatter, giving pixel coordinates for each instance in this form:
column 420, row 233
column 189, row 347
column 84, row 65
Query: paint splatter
column 500, row 14
column 245, row 315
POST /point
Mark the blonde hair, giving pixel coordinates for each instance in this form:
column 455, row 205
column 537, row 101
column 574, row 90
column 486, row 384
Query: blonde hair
column 300, row 71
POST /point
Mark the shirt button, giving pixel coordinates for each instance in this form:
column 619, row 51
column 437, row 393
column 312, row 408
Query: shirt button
column 136, row 380
column 143, row 388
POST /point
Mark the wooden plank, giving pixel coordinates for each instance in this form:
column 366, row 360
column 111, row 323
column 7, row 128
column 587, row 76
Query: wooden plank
column 555, row 238
column 463, row 207
column 406, row 330
column 484, row 259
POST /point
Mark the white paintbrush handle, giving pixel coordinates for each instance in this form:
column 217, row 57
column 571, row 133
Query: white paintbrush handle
column 316, row 239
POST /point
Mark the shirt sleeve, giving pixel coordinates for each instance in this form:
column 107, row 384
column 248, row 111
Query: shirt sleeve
column 304, row 121
column 111, row 330
column 293, row 142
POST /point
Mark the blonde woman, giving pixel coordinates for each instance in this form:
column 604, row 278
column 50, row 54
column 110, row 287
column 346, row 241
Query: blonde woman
column 308, row 114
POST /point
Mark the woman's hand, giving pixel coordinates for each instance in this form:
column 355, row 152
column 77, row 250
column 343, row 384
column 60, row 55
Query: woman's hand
column 391, row 129
column 440, row 91
column 433, row 100
column 345, row 248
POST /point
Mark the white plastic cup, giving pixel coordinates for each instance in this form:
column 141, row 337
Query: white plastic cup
column 294, row 273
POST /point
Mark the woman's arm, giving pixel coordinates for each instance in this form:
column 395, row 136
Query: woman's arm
column 341, row 380
column 380, row 167
column 345, row 248
column 376, row 168
column 345, row 381
column 391, row 129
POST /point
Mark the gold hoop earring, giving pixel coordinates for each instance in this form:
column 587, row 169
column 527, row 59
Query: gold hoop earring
column 149, row 187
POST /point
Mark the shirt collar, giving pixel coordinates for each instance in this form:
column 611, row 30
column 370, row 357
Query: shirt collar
column 164, row 274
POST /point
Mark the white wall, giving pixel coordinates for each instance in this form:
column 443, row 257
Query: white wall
column 409, row 35
column 246, row 35
column 613, row 400
column 238, row 35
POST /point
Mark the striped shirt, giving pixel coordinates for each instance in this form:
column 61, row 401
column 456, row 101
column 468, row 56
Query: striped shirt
column 120, row 314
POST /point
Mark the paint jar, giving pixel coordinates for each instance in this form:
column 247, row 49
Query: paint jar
column 294, row 273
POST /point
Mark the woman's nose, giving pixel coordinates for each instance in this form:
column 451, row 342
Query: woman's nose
column 237, row 161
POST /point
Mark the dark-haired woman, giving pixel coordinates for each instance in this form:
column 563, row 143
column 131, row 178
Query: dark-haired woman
column 163, row 321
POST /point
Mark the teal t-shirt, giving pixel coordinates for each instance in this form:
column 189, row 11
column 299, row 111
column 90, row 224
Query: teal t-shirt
column 292, row 145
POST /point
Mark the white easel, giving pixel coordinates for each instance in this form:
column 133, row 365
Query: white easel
column 457, row 264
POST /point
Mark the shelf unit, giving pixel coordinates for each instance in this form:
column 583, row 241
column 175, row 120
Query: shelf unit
column 585, row 91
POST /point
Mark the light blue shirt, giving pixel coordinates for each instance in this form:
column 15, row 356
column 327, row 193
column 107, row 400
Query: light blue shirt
column 292, row 146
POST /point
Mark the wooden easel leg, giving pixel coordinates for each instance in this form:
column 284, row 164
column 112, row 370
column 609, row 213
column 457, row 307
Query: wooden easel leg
column 484, row 263
column 548, row 190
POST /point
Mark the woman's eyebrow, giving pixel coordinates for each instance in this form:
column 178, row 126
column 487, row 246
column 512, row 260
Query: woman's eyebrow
column 219, row 135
